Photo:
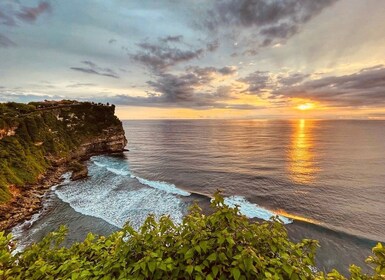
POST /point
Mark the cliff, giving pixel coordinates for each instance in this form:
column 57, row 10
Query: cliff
column 39, row 140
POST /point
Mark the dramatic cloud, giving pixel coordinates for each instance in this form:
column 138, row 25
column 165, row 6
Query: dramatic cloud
column 363, row 88
column 92, row 68
column 191, row 88
column 291, row 79
column 258, row 82
column 159, row 57
column 269, row 20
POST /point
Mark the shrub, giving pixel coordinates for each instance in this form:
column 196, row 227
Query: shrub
column 223, row 245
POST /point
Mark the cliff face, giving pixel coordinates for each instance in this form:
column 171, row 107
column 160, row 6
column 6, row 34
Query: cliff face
column 38, row 136
column 111, row 140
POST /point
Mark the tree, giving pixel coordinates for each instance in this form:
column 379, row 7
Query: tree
column 223, row 245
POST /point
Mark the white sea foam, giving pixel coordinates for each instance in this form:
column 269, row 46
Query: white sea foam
column 118, row 171
column 163, row 186
column 99, row 164
column 119, row 207
column 118, row 167
column 252, row 210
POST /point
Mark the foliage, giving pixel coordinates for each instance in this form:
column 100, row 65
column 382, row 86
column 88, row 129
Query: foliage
column 43, row 131
column 223, row 245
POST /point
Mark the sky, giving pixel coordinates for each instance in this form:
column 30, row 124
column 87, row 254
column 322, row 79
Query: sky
column 165, row 59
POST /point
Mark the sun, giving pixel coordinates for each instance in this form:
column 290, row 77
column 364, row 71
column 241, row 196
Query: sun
column 305, row 106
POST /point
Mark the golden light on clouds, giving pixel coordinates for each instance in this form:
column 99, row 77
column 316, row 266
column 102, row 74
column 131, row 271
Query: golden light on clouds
column 306, row 106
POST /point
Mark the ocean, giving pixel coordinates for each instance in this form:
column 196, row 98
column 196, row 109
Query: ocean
column 324, row 179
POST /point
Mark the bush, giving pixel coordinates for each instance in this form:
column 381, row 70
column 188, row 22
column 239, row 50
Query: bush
column 223, row 245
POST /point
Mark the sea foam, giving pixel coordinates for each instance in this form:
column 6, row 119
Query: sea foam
column 252, row 210
column 163, row 186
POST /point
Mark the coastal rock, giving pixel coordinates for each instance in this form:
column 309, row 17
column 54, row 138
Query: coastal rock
column 80, row 173
column 68, row 131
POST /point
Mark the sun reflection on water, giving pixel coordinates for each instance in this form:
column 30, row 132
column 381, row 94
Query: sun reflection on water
column 301, row 163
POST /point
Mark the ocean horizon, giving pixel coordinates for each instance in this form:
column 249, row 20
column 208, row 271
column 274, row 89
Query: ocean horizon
column 308, row 173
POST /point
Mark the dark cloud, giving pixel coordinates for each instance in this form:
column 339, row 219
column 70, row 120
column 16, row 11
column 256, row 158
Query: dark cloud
column 112, row 41
column 363, row 88
column 292, row 79
column 92, row 68
column 192, row 89
column 257, row 82
column 159, row 57
column 156, row 101
column 6, row 42
column 208, row 71
column 228, row 70
column 270, row 20
column 30, row 14
column 175, row 39
column 212, row 46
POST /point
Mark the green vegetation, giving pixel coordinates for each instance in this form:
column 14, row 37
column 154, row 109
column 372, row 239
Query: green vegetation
column 33, row 135
column 223, row 245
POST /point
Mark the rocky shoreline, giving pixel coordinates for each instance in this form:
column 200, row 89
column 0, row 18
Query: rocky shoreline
column 28, row 200
column 63, row 135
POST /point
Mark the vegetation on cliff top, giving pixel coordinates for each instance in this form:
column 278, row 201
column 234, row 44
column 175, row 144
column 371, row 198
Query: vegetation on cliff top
column 223, row 245
column 34, row 134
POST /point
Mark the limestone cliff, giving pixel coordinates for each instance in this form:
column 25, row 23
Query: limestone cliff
column 38, row 141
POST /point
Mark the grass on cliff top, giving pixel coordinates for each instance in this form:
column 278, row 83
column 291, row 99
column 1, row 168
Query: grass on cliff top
column 223, row 245
column 40, row 134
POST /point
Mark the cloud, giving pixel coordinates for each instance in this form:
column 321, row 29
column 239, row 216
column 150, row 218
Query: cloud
column 258, row 82
column 92, row 68
column 6, row 16
column 17, row 96
column 30, row 14
column 212, row 46
column 190, row 89
column 78, row 85
column 291, row 79
column 112, row 41
column 159, row 57
column 6, row 42
column 175, row 39
column 363, row 88
column 270, row 21
column 12, row 13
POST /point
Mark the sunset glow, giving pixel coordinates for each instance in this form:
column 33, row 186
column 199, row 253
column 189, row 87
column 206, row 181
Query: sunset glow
column 306, row 106
column 189, row 61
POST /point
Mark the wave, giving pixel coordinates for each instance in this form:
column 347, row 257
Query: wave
column 116, row 166
column 118, row 171
column 163, row 186
column 120, row 206
column 252, row 210
column 120, row 168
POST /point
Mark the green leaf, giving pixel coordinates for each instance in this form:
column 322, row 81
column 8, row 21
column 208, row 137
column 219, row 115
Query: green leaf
column 212, row 257
column 151, row 266
column 189, row 269
column 236, row 273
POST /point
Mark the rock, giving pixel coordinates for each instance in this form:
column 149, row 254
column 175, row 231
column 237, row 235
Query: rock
column 81, row 174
